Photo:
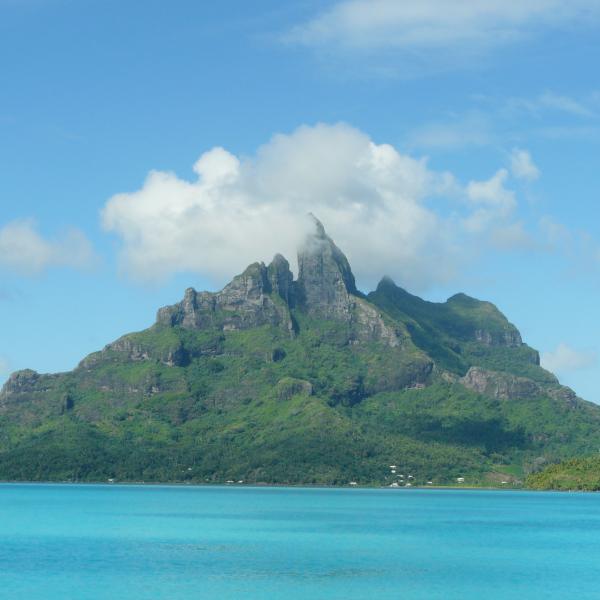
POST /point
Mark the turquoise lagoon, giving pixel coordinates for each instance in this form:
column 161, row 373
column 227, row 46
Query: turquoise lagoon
column 80, row 542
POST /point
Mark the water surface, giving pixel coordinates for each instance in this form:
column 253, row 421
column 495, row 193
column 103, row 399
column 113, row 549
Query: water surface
column 88, row 542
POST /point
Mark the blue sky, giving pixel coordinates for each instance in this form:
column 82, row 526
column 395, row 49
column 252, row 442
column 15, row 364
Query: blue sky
column 147, row 149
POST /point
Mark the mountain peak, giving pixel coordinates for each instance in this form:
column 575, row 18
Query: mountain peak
column 386, row 282
column 281, row 279
column 319, row 229
column 325, row 279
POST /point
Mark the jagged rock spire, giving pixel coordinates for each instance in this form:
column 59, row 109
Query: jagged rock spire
column 243, row 303
column 281, row 279
column 325, row 288
column 325, row 280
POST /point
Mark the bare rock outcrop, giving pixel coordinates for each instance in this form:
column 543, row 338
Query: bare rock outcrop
column 501, row 386
column 244, row 303
column 325, row 283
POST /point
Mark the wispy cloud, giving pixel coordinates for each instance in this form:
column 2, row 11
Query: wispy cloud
column 566, row 104
column 579, row 248
column 565, row 359
column 4, row 367
column 522, row 165
column 437, row 29
column 497, row 122
column 550, row 101
column 471, row 129
column 25, row 251
column 566, row 132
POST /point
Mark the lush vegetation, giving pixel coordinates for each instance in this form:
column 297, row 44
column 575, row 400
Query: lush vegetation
column 448, row 333
column 261, row 405
column 581, row 474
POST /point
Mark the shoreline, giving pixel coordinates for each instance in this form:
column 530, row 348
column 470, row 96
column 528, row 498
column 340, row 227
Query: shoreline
column 265, row 485
column 289, row 486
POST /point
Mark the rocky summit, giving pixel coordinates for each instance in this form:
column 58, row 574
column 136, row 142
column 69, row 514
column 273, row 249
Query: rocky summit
column 308, row 380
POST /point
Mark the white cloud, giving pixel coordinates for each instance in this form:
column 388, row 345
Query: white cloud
column 243, row 209
column 492, row 192
column 564, row 359
column 522, row 165
column 492, row 202
column 438, row 25
column 24, row 250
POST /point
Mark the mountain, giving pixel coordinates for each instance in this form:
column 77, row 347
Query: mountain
column 279, row 380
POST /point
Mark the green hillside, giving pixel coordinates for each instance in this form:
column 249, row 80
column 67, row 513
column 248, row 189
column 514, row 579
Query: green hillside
column 581, row 474
column 279, row 380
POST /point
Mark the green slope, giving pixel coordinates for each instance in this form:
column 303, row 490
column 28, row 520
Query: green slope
column 259, row 406
column 581, row 474
column 449, row 332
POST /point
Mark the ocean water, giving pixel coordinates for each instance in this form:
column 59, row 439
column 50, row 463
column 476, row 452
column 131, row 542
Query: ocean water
column 80, row 542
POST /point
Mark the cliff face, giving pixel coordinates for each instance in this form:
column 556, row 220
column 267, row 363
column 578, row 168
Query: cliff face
column 267, row 295
column 325, row 285
column 501, row 386
column 302, row 380
column 244, row 303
